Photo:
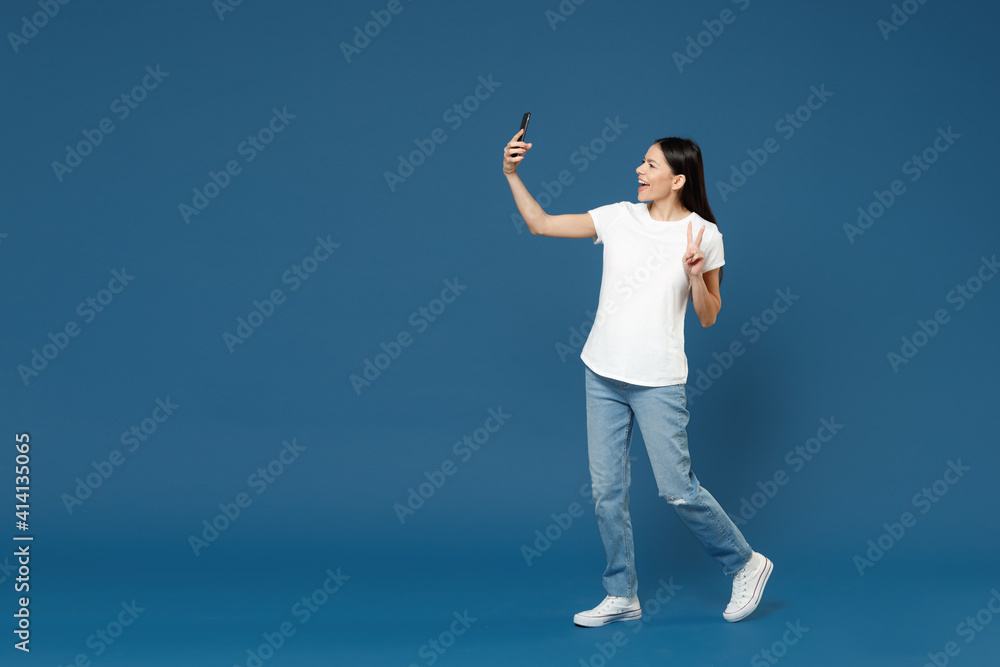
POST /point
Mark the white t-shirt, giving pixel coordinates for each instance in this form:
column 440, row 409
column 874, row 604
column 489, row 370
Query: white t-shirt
column 638, row 332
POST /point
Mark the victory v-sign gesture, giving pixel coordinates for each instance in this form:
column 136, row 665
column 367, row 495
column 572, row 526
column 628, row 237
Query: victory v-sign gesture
column 694, row 258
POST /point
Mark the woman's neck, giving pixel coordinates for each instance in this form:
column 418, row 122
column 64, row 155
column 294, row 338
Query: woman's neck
column 668, row 210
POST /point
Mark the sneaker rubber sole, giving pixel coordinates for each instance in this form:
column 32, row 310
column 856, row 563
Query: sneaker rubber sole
column 597, row 621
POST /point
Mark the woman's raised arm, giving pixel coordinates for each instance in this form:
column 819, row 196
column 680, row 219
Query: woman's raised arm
column 571, row 226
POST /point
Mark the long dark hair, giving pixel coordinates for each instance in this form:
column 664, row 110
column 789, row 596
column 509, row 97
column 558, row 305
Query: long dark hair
column 684, row 157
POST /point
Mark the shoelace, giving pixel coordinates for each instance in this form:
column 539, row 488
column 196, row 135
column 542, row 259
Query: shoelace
column 616, row 601
column 739, row 587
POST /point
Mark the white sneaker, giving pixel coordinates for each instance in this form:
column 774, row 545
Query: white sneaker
column 748, row 586
column 612, row 609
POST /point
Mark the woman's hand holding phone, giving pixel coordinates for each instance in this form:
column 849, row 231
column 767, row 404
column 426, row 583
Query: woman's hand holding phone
column 516, row 148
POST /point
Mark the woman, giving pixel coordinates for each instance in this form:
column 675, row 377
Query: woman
column 635, row 366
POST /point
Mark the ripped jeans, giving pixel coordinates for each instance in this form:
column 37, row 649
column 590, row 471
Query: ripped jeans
column 613, row 409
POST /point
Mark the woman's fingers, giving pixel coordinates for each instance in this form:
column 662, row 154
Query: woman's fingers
column 695, row 242
column 514, row 143
column 515, row 150
column 693, row 257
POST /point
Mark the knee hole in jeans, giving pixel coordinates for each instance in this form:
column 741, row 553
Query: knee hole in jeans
column 674, row 500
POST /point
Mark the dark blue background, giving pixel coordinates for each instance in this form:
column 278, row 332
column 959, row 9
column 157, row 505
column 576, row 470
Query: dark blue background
column 496, row 345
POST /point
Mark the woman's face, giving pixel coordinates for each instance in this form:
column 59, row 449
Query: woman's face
column 656, row 173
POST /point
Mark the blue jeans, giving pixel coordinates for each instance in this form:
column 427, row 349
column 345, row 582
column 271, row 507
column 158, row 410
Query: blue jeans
column 612, row 408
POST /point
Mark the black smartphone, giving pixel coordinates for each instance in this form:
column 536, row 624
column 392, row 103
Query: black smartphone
column 524, row 125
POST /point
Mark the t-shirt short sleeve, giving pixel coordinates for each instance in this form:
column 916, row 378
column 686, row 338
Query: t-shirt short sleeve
column 602, row 215
column 714, row 251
